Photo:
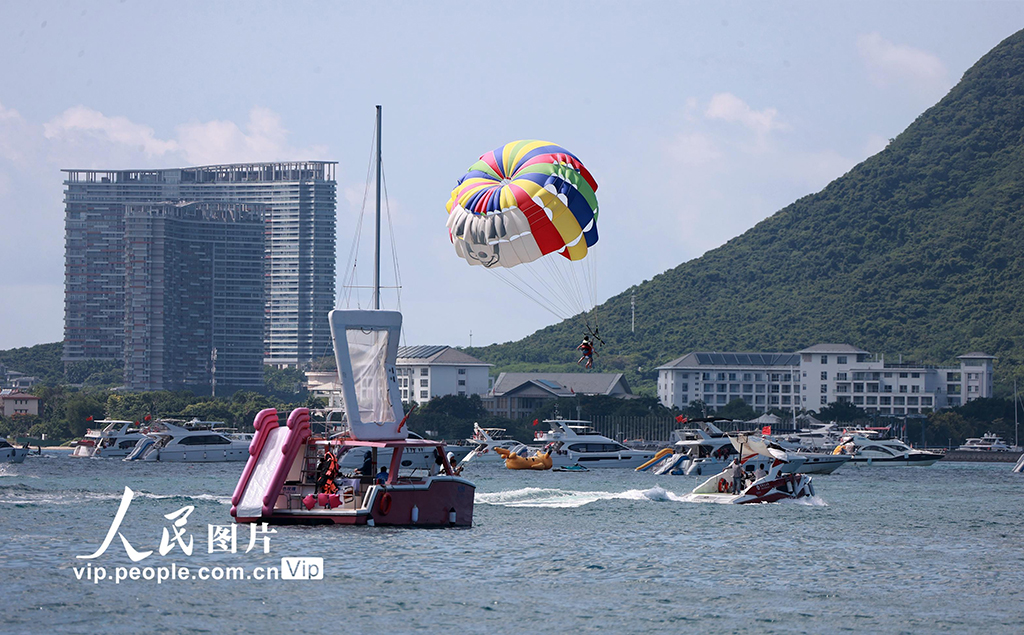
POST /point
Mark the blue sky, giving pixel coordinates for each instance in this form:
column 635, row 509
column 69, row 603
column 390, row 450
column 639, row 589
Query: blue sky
column 697, row 119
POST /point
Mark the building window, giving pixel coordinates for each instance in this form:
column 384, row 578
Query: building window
column 824, row 359
column 732, row 376
column 462, row 371
column 709, row 388
column 706, row 377
column 915, row 389
column 858, row 388
column 721, row 388
column 423, row 372
column 824, row 375
column 903, row 375
column 824, row 389
column 462, row 382
column 903, row 389
column 840, row 377
column 746, row 376
column 721, row 376
column 824, row 400
column 462, row 393
column 841, row 359
column 748, row 387
column 423, row 383
column 423, row 394
column 734, row 387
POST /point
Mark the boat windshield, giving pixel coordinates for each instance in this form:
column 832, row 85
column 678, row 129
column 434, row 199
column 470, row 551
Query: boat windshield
column 368, row 352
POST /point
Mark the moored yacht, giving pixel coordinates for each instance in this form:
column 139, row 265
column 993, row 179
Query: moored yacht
column 988, row 442
column 194, row 442
column 870, row 447
column 573, row 442
column 114, row 439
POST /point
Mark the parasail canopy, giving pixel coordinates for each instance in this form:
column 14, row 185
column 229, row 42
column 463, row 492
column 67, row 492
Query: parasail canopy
column 524, row 200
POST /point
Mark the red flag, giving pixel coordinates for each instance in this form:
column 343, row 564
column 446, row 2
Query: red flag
column 535, row 422
column 767, row 430
column 89, row 418
column 680, row 419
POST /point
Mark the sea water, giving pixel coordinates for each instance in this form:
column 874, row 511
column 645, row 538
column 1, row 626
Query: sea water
column 879, row 549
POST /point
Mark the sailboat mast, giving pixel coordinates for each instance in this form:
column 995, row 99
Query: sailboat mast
column 376, row 249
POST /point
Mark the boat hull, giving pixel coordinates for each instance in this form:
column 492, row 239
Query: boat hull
column 438, row 502
column 13, row 455
column 922, row 459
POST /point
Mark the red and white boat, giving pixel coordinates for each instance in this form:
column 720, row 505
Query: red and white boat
column 284, row 480
column 772, row 487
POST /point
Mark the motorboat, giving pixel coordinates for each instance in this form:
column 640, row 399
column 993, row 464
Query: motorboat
column 294, row 477
column 872, row 447
column 11, row 454
column 572, row 442
column 987, row 442
column 486, row 441
column 114, row 439
column 1019, row 467
column 756, row 455
column 192, row 442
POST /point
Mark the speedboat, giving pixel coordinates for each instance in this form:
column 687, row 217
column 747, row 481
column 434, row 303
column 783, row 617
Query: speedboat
column 486, row 441
column 11, row 454
column 193, row 442
column 572, row 442
column 755, row 452
column 1019, row 468
column 115, row 439
column 870, row 447
column 294, row 477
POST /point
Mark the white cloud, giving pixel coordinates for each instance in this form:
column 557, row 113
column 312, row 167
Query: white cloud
column 693, row 149
column 730, row 108
column 265, row 139
column 891, row 64
column 80, row 122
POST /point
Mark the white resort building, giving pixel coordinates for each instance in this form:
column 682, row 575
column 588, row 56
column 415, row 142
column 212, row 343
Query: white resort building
column 823, row 374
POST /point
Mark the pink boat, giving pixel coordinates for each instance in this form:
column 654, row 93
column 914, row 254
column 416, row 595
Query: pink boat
column 288, row 478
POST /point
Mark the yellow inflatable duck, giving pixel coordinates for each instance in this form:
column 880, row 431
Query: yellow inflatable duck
column 539, row 461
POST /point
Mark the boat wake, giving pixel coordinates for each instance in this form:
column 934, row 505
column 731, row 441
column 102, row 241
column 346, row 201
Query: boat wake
column 25, row 495
column 559, row 498
column 554, row 498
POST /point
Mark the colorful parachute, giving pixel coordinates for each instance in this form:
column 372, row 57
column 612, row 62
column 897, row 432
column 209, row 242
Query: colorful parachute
column 522, row 201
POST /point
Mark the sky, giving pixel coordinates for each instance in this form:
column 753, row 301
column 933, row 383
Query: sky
column 697, row 119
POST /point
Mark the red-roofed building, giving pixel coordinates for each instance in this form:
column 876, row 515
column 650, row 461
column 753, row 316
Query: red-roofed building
column 18, row 403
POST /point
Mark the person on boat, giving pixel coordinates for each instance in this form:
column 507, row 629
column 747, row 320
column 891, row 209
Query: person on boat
column 759, row 473
column 451, row 461
column 327, row 471
column 587, row 348
column 435, row 467
column 736, row 472
column 382, row 476
column 366, row 469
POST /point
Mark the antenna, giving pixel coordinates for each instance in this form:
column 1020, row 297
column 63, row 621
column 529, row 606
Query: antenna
column 632, row 311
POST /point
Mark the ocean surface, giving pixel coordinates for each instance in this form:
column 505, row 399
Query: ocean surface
column 879, row 550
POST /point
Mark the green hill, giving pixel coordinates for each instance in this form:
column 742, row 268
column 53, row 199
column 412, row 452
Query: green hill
column 916, row 251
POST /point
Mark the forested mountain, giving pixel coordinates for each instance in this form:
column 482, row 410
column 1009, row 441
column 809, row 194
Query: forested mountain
column 915, row 251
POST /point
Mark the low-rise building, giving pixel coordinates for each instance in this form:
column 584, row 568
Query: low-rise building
column 516, row 395
column 822, row 374
column 425, row 372
column 14, row 403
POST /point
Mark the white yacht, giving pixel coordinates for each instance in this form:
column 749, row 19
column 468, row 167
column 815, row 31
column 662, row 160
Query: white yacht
column 869, row 447
column 988, row 442
column 11, row 454
column 484, row 441
column 193, row 442
column 573, row 442
column 114, row 439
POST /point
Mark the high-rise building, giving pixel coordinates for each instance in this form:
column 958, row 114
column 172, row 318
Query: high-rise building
column 193, row 295
column 299, row 246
